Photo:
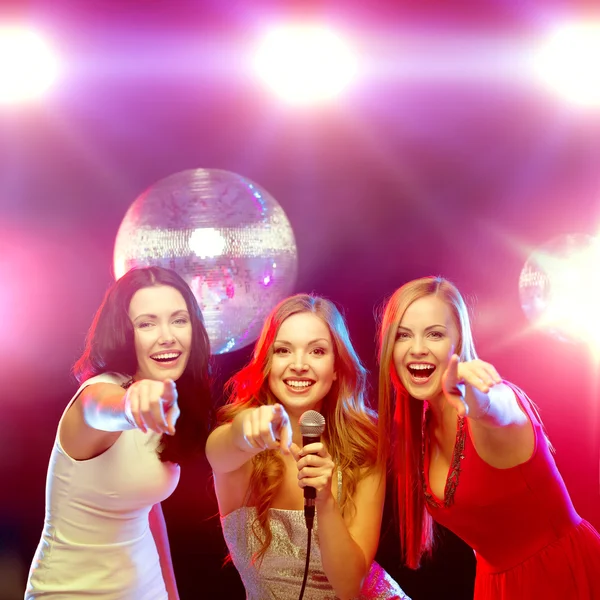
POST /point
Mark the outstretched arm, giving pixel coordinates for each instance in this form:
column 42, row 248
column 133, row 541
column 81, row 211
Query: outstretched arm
column 103, row 410
column 253, row 430
column 230, row 448
column 500, row 427
column 476, row 391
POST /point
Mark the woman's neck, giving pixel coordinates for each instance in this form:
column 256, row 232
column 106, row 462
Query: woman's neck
column 443, row 415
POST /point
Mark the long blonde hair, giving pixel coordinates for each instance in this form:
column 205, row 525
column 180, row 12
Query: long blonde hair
column 350, row 425
column 401, row 416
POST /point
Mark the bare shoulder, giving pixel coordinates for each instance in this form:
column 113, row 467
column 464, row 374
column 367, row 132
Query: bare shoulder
column 77, row 438
column 368, row 496
column 214, row 437
column 371, row 485
column 231, row 488
column 364, row 521
column 219, row 443
column 231, row 484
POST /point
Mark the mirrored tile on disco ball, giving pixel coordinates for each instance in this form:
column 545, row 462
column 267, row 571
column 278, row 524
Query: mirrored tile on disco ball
column 226, row 236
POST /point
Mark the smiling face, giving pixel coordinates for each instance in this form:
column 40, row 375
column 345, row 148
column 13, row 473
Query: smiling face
column 303, row 363
column 162, row 332
column 426, row 339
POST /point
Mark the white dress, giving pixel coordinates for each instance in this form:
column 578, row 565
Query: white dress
column 96, row 540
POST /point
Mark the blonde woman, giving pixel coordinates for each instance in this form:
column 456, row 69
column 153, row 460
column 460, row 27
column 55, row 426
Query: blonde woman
column 470, row 453
column 303, row 360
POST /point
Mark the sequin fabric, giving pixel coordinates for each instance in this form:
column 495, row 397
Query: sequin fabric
column 454, row 474
column 280, row 574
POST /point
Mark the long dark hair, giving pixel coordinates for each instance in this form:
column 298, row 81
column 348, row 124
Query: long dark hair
column 110, row 347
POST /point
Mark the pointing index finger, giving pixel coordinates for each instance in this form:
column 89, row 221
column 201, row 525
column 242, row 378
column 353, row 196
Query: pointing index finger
column 169, row 393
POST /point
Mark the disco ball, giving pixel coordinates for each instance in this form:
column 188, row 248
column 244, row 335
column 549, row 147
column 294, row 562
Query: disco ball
column 226, row 236
column 559, row 287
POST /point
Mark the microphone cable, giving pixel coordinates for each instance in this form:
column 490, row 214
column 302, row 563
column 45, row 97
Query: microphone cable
column 312, row 425
column 308, row 543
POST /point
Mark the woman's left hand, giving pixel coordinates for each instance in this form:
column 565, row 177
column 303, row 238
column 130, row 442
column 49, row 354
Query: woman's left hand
column 476, row 373
column 315, row 468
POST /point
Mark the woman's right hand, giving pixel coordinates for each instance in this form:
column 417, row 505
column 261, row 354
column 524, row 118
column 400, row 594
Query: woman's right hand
column 267, row 427
column 152, row 405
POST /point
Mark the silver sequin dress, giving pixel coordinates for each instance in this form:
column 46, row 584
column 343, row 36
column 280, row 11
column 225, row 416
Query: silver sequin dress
column 279, row 576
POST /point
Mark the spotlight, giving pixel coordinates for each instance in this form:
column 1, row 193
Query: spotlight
column 305, row 64
column 559, row 288
column 567, row 63
column 27, row 65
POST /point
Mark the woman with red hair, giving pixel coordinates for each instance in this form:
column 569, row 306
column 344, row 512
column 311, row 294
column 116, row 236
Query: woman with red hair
column 303, row 361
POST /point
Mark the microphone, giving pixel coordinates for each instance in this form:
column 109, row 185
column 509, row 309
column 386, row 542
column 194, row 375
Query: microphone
column 312, row 425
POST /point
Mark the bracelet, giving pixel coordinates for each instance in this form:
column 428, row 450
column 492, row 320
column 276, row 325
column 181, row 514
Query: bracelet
column 485, row 411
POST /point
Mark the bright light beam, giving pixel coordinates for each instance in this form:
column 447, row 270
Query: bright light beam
column 28, row 67
column 561, row 285
column 305, row 64
column 567, row 63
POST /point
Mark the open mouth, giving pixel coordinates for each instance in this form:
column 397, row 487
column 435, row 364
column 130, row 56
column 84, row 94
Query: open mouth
column 299, row 385
column 420, row 372
column 166, row 358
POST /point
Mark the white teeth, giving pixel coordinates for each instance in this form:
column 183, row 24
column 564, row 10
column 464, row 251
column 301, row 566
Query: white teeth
column 168, row 356
column 299, row 384
column 419, row 366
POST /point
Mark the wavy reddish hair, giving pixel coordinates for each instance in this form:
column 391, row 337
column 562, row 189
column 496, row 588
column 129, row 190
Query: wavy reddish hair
column 350, row 425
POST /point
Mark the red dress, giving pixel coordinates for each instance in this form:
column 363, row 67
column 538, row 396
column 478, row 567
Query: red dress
column 529, row 541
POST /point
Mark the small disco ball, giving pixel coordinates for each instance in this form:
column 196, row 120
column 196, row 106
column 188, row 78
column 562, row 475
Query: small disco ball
column 559, row 287
column 226, row 236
